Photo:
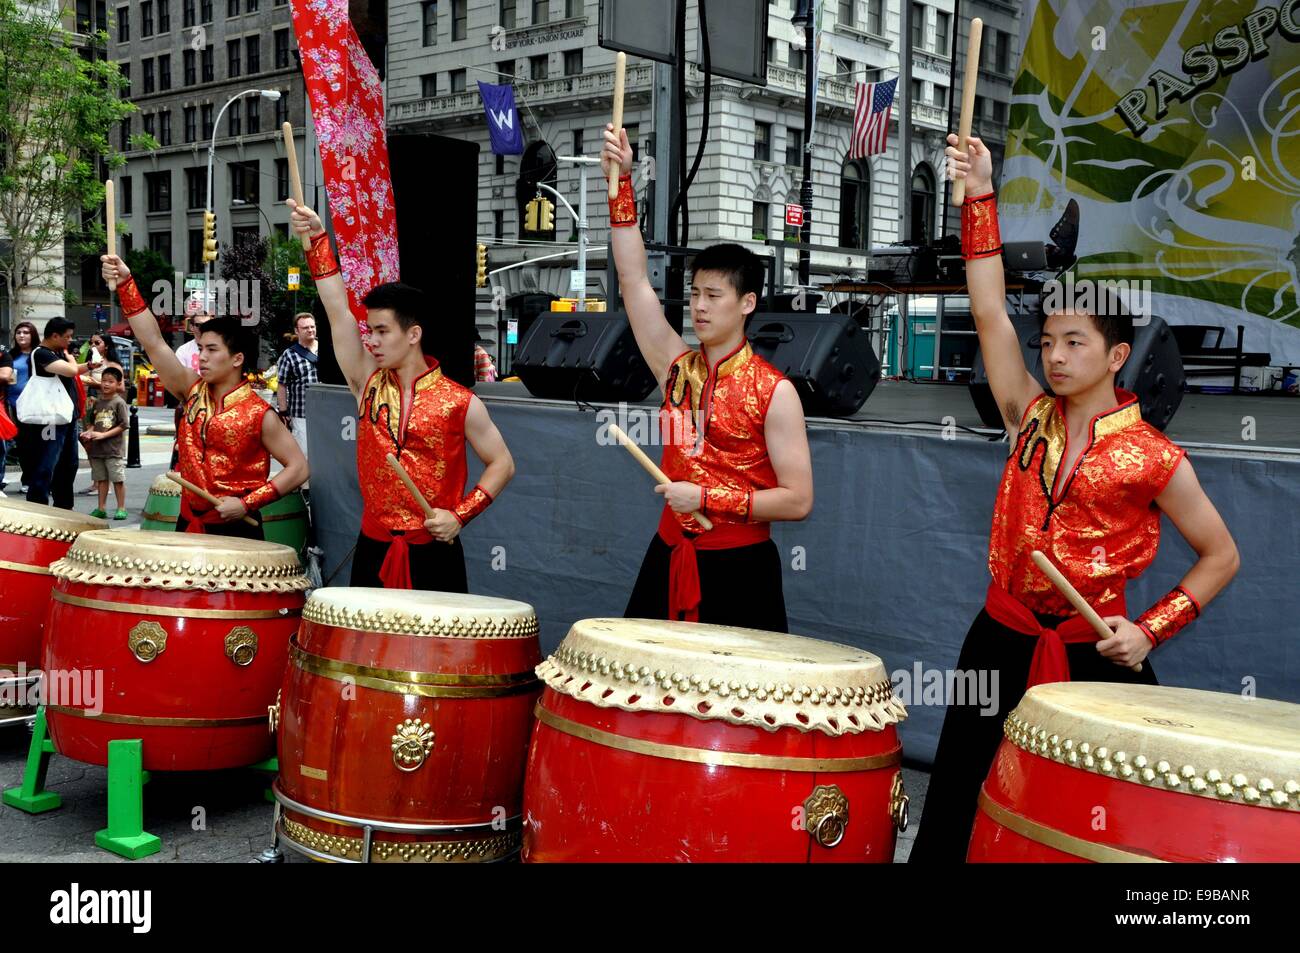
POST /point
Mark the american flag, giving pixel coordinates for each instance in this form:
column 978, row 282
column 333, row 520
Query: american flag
column 871, row 118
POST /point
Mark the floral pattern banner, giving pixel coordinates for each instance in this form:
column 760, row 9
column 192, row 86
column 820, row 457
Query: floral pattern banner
column 347, row 106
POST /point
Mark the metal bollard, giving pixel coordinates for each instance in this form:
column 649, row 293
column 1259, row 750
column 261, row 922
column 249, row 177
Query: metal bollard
column 133, row 441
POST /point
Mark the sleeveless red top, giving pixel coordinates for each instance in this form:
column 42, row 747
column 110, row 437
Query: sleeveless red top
column 219, row 443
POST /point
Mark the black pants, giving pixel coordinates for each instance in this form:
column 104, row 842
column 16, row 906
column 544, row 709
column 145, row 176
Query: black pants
column 49, row 461
column 435, row 566
column 236, row 528
column 740, row 586
column 970, row 737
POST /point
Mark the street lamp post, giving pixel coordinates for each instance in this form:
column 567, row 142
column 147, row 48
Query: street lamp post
column 271, row 94
column 579, row 218
column 804, row 17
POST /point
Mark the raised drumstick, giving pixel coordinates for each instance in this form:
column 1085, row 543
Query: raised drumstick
column 1076, row 600
column 649, row 466
column 110, row 220
column 295, row 180
column 200, row 492
column 620, row 73
column 967, row 104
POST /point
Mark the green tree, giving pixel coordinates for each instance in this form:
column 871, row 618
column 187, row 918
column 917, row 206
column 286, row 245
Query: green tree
column 148, row 267
column 56, row 110
column 267, row 262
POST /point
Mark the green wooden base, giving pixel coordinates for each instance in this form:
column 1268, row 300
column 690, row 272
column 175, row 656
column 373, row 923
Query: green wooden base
column 32, row 796
column 125, row 834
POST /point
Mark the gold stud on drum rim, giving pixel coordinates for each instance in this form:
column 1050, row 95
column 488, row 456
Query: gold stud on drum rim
column 241, row 645
column 147, row 641
column 826, row 815
column 412, row 742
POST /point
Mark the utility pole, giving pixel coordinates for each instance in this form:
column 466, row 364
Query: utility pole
column 804, row 15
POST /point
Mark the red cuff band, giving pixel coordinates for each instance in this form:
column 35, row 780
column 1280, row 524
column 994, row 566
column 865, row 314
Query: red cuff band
column 264, row 494
column 732, row 501
column 980, row 236
column 128, row 294
column 1164, row 619
column 622, row 208
column 320, row 258
column 474, row 503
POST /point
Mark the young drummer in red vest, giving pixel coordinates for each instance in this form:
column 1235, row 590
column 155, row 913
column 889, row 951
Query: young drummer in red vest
column 735, row 447
column 225, row 438
column 1086, row 482
column 410, row 409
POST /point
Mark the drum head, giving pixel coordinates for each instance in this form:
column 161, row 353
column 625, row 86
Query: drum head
column 416, row 612
column 45, row 522
column 766, row 679
column 181, row 561
column 162, row 486
column 1215, row 745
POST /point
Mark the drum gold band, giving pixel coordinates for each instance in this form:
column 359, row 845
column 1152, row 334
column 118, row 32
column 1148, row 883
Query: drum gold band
column 729, row 759
column 420, row 684
column 112, row 719
column 173, row 612
column 326, row 846
column 24, row 567
column 157, row 517
column 1059, row 840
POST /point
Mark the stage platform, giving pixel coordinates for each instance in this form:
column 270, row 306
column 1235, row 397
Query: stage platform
column 894, row 555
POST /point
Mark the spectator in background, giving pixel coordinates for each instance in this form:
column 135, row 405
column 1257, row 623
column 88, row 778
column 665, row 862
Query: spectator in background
column 295, row 369
column 6, row 379
column 52, row 458
column 105, row 442
column 484, row 369
column 25, row 339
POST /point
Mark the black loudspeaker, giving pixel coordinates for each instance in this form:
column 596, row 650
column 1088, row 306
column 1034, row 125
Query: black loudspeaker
column 436, row 240
column 827, row 357
column 1153, row 371
column 582, row 355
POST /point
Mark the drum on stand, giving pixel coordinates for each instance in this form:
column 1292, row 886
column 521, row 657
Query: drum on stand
column 404, row 726
column 284, row 520
column 1091, row 771
column 180, row 641
column 665, row 741
column 32, row 537
column 162, row 506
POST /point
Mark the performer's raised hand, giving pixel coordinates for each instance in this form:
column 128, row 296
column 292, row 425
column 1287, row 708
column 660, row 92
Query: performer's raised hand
column 114, row 268
column 304, row 220
column 617, row 153
column 976, row 167
column 1128, row 646
column 443, row 526
column 683, row 497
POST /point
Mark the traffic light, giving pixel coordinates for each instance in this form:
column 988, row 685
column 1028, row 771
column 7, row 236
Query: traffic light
column 530, row 215
column 209, row 236
column 481, row 278
column 547, row 218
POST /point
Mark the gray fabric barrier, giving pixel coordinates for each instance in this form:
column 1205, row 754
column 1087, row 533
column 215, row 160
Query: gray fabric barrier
column 893, row 558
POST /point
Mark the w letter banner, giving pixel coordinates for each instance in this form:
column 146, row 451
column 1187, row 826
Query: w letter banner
column 347, row 106
column 502, row 119
column 1175, row 128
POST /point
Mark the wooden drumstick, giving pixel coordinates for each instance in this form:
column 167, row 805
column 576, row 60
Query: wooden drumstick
column 620, row 74
column 295, row 180
column 110, row 220
column 967, row 104
column 650, row 467
column 1076, row 600
column 410, row 485
column 200, row 492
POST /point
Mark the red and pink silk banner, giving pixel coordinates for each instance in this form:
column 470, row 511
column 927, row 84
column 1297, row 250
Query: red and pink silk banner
column 347, row 106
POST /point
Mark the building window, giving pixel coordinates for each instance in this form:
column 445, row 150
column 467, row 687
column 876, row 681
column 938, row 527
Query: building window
column 573, row 8
column 916, row 93
column 164, row 72
column 500, row 164
column 125, row 70
column 459, row 19
column 508, row 14
column 205, row 64
column 844, row 70
column 1002, row 61
column 205, row 11
column 281, row 179
column 999, row 112
column 940, row 96
column 847, row 12
column 146, row 18
column 206, row 114
column 282, row 109
column 191, row 123
column 253, row 114
column 232, row 58
column 189, row 65
column 498, row 224
column 243, row 181
column 165, row 127
column 577, row 142
column 941, row 23
column 573, row 62
column 923, row 193
column 196, row 187
column 763, row 141
column 187, row 14
column 539, row 66
column 245, row 234
column 541, row 11
column 875, row 17
column 124, row 196
column 855, row 204
column 918, row 26
column 232, row 8
column 281, row 49
column 771, row 51
column 146, row 71
column 796, row 59
column 147, row 121
column 123, row 24
column 794, row 147
column 506, row 71
column 161, row 242
column 456, row 80
column 253, row 49
column 251, row 6
column 124, row 133
column 164, row 16
column 233, row 125
column 429, row 85
column 196, row 250
column 159, row 186
column 634, row 140
column 761, row 216
column 430, row 14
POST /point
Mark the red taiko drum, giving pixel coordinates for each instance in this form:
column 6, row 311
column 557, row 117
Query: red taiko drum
column 179, row 640
column 1091, row 771
column 673, row 741
column 32, row 537
column 404, row 725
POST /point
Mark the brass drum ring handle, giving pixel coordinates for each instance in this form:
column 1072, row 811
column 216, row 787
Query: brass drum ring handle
column 412, row 741
column 147, row 640
column 898, row 803
column 835, row 834
column 826, row 815
column 241, row 646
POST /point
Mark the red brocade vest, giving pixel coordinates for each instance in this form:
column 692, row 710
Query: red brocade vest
column 728, row 451
column 1098, row 524
column 219, row 446
column 426, row 434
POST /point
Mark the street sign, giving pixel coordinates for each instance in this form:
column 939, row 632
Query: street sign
column 577, row 280
column 293, row 279
column 794, row 215
column 512, row 331
column 193, row 284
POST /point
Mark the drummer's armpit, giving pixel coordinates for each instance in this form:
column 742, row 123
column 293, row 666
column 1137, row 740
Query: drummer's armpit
column 474, row 503
column 264, row 494
column 1164, row 619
